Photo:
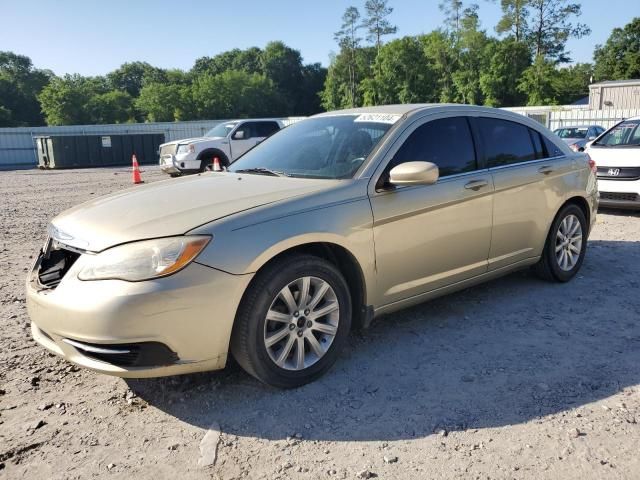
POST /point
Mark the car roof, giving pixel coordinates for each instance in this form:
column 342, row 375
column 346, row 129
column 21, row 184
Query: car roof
column 411, row 109
column 577, row 126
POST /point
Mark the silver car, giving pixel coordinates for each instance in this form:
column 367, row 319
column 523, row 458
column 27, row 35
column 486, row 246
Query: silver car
column 577, row 137
column 319, row 229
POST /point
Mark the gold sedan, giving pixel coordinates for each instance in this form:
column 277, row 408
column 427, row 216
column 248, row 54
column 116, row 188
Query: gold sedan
column 317, row 230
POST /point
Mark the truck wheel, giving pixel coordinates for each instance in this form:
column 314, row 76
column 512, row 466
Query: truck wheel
column 293, row 321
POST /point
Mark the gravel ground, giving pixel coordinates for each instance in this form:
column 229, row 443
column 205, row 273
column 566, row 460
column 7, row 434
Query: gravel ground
column 516, row 378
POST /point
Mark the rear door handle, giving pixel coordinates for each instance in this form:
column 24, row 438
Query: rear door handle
column 476, row 184
column 546, row 169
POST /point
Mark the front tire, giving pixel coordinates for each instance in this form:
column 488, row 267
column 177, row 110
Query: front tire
column 293, row 321
column 565, row 247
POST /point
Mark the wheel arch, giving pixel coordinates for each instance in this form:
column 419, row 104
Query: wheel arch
column 209, row 153
column 348, row 266
column 580, row 202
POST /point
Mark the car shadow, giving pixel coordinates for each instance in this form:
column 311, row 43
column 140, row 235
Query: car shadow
column 619, row 212
column 502, row 353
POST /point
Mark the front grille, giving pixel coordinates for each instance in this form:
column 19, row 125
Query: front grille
column 619, row 197
column 167, row 150
column 619, row 173
column 143, row 354
column 54, row 265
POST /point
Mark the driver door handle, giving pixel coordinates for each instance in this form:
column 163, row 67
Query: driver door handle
column 476, row 184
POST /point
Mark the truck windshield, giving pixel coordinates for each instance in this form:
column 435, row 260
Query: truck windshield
column 221, row 130
column 626, row 133
column 331, row 147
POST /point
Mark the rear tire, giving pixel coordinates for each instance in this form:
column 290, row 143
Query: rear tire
column 285, row 339
column 565, row 247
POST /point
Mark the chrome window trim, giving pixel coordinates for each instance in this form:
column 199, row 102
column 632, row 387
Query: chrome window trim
column 528, row 162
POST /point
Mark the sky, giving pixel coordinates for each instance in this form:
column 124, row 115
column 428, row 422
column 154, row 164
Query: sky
column 93, row 38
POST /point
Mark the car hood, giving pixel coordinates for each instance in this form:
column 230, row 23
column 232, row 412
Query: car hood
column 571, row 141
column 172, row 207
column 615, row 156
column 184, row 141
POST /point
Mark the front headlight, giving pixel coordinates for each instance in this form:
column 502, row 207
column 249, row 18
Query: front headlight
column 186, row 148
column 144, row 260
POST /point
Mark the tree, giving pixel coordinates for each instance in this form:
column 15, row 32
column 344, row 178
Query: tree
column 313, row 78
column 111, row 107
column 376, row 22
column 249, row 61
column 64, row 99
column 551, row 27
column 506, row 61
column 514, row 18
column 339, row 91
column 347, row 38
column 440, row 52
column 161, row 102
column 131, row 77
column 572, row 83
column 20, row 84
column 452, row 10
column 403, row 75
column 537, row 82
column 234, row 94
column 471, row 59
column 283, row 66
column 619, row 57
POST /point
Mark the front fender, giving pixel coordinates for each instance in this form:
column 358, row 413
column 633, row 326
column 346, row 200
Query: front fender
column 247, row 248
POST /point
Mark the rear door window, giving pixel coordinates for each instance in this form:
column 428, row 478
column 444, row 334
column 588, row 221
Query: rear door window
column 264, row 129
column 505, row 142
column 446, row 142
column 551, row 148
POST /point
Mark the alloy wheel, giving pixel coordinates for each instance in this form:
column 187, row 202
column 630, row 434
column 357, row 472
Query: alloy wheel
column 568, row 245
column 301, row 323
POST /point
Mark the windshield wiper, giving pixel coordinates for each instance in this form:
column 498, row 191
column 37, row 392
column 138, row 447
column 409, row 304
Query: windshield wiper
column 263, row 171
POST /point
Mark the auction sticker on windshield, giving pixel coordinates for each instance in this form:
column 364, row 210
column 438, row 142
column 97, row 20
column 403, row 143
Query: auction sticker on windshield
column 378, row 117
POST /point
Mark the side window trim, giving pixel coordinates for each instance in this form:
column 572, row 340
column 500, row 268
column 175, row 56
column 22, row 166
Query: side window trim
column 406, row 134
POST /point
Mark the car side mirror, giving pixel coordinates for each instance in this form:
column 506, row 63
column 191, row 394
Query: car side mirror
column 239, row 135
column 414, row 173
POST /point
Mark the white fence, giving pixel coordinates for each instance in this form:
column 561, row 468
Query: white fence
column 562, row 116
column 605, row 118
column 17, row 146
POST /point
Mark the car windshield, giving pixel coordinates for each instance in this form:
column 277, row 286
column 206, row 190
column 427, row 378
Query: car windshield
column 626, row 133
column 221, row 130
column 331, row 147
column 572, row 132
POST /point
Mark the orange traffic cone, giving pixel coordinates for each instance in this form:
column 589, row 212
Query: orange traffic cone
column 216, row 165
column 136, row 170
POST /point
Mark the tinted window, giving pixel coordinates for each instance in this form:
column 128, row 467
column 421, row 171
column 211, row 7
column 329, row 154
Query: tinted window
column 505, row 142
column 446, row 142
column 626, row 133
column 537, row 144
column 264, row 129
column 552, row 148
column 247, row 128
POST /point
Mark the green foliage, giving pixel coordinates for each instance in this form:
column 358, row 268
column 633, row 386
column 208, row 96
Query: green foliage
column 131, row 77
column 619, row 57
column 376, row 22
column 162, row 102
column 551, row 27
column 506, row 61
column 440, row 52
column 110, row 107
column 537, row 82
column 20, row 85
column 572, row 83
column 401, row 75
column 236, row 94
column 514, row 19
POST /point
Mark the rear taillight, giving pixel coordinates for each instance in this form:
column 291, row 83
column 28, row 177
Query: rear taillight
column 592, row 164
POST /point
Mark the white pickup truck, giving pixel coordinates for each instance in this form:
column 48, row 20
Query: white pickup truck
column 226, row 141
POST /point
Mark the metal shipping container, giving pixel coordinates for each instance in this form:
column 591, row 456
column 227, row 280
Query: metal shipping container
column 76, row 151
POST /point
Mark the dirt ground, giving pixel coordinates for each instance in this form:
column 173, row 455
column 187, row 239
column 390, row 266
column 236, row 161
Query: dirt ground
column 516, row 378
